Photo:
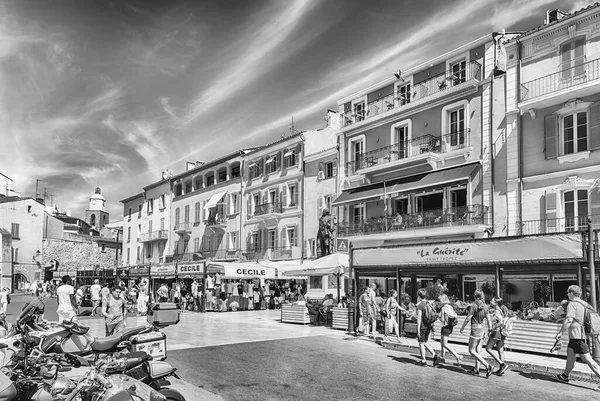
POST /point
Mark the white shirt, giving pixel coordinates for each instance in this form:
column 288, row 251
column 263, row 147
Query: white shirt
column 3, row 298
column 64, row 293
column 95, row 291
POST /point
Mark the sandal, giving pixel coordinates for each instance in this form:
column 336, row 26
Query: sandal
column 459, row 361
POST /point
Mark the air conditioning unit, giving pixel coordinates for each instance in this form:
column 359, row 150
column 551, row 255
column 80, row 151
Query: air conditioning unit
column 321, row 175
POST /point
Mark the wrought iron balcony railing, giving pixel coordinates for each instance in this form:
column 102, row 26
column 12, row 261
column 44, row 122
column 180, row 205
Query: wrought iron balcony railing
column 563, row 79
column 183, row 227
column 154, row 236
column 254, row 253
column 422, row 90
column 216, row 220
column 456, row 216
column 407, row 149
column 267, row 208
column 559, row 225
column 184, row 257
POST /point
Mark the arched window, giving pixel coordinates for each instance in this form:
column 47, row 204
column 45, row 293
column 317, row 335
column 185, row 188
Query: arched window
column 93, row 220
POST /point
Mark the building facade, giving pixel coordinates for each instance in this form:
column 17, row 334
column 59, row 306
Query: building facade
column 132, row 229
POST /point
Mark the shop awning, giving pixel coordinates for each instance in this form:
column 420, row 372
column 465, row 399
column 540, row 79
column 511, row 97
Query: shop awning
column 358, row 195
column 435, row 178
column 212, row 202
column 244, row 270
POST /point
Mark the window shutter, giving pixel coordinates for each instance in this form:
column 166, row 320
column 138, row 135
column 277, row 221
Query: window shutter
column 249, row 242
column 550, row 131
column 227, row 203
column 334, row 167
column 595, row 126
column 319, row 206
column 276, row 239
column 284, row 201
column 595, row 202
column 550, row 209
column 278, row 160
column 249, row 205
column 321, row 169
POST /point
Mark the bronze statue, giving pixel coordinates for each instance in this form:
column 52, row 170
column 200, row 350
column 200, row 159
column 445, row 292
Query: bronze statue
column 325, row 235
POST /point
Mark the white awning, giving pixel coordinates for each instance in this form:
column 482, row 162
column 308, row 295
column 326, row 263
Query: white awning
column 214, row 200
column 289, row 152
column 251, row 165
column 269, row 160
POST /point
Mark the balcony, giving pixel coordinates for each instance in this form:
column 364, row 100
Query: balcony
column 457, row 216
column 183, row 227
column 184, row 257
column 400, row 153
column 553, row 226
column 154, row 236
column 267, row 208
column 446, row 83
column 285, row 252
column 254, row 254
column 217, row 220
column 561, row 86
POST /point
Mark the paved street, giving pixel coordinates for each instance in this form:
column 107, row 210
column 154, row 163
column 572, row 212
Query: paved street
column 252, row 356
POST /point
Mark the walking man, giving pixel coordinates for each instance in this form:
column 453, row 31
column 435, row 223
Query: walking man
column 95, row 292
column 424, row 328
column 577, row 339
column 65, row 297
column 115, row 311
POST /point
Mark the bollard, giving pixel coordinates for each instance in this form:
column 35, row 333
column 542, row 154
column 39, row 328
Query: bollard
column 595, row 348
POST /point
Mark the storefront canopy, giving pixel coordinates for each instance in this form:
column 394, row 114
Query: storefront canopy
column 244, row 270
column 336, row 263
column 406, row 184
column 212, row 202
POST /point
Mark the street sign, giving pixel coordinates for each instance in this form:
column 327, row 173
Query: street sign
column 341, row 245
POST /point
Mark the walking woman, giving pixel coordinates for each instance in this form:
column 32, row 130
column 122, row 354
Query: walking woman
column 497, row 314
column 391, row 306
column 478, row 314
column 366, row 309
column 449, row 318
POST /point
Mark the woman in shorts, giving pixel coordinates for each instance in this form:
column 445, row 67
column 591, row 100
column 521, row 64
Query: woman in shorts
column 497, row 314
column 478, row 314
column 448, row 317
column 391, row 306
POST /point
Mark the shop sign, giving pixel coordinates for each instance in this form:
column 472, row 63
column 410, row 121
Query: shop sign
column 138, row 271
column 555, row 247
column 244, row 272
column 162, row 270
column 191, row 269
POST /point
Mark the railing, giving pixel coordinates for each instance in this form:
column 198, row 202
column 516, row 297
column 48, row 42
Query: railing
column 185, row 257
column 422, row 90
column 564, row 79
column 254, row 254
column 559, row 225
column 216, row 220
column 154, row 236
column 267, row 208
column 183, row 227
column 407, row 149
column 457, row 216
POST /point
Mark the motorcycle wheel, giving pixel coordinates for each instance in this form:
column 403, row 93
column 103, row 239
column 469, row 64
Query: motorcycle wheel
column 172, row 395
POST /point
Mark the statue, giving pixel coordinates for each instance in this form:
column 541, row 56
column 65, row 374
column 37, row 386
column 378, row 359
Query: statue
column 325, row 235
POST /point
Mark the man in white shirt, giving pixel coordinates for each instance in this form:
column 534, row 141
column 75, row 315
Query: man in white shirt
column 65, row 295
column 95, row 292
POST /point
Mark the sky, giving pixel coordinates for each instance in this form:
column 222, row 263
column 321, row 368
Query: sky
column 110, row 93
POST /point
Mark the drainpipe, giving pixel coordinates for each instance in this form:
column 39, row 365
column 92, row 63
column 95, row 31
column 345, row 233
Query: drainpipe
column 302, row 199
column 241, row 203
column 496, row 36
column 519, row 131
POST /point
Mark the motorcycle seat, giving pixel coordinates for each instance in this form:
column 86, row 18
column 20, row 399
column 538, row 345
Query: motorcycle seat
column 75, row 328
column 105, row 344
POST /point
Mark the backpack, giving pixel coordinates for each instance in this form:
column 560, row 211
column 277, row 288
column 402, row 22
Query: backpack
column 430, row 315
column 451, row 317
column 507, row 326
column 591, row 321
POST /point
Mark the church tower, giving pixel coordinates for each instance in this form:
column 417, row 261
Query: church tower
column 96, row 215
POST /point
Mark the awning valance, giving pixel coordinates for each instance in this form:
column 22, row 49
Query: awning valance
column 358, row 195
column 212, row 202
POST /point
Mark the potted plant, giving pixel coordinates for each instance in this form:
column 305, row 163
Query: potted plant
column 488, row 289
column 510, row 289
column 541, row 290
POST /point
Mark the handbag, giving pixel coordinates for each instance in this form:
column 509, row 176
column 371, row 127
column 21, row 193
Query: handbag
column 383, row 312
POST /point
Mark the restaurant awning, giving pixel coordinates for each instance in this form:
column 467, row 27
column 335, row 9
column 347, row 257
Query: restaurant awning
column 212, row 202
column 405, row 184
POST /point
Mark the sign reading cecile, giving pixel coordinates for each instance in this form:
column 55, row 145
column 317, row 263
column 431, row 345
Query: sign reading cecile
column 191, row 268
column 551, row 247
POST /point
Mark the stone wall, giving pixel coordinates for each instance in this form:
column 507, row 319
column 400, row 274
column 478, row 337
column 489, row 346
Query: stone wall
column 79, row 253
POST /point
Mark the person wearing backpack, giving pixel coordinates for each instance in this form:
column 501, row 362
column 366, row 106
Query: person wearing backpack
column 497, row 334
column 478, row 313
column 426, row 316
column 575, row 324
column 449, row 319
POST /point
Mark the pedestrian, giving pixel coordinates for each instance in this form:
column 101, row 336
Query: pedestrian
column 425, row 322
column 498, row 313
column 115, row 312
column 449, row 318
column 391, row 308
column 366, row 310
column 105, row 291
column 478, row 314
column 133, row 297
column 376, row 308
column 3, row 300
column 577, row 339
column 142, row 301
column 65, row 298
column 95, row 296
column 163, row 293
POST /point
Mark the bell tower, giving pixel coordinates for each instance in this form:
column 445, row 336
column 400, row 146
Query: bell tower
column 96, row 214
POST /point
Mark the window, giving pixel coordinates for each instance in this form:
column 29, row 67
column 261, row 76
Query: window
column 293, row 195
column 316, row 282
column 357, row 149
column 572, row 57
column 150, row 226
column 128, row 261
column 574, row 133
column 403, row 94
column 139, row 230
column 161, row 202
column 289, row 158
column 272, row 239
column 186, row 214
column 311, row 248
column 196, row 244
column 234, row 205
column 188, row 187
column 576, row 208
column 198, row 183
column 178, row 190
column 358, row 213
column 177, row 216
column 233, row 240
column 150, row 205
column 162, row 223
column 272, row 164
column 129, row 214
column 210, row 180
column 255, row 241
column 256, row 199
column 359, row 111
column 459, row 72
column 138, row 254
column 235, row 171
column 327, row 169
column 457, row 127
column 185, row 245
column 222, row 175
column 197, row 211
column 128, row 234
column 15, row 255
column 140, row 206
column 14, row 230
column 291, row 236
column 149, row 250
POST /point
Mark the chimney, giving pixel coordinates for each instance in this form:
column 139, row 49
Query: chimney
column 189, row 166
column 332, row 119
column 555, row 15
column 200, row 163
column 68, row 213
